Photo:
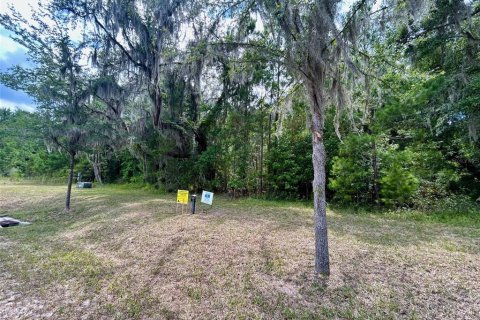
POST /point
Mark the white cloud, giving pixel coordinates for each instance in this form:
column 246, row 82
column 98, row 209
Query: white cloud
column 259, row 25
column 5, row 104
column 377, row 5
column 25, row 7
column 7, row 46
column 346, row 5
column 28, row 7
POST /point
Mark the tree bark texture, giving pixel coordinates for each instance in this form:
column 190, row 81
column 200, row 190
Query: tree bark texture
column 157, row 103
column 261, row 154
column 317, row 112
column 70, row 181
column 376, row 193
column 96, row 163
column 145, row 168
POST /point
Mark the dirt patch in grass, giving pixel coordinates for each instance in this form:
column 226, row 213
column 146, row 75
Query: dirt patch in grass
column 237, row 261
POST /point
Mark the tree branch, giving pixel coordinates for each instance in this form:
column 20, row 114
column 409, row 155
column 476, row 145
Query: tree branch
column 119, row 45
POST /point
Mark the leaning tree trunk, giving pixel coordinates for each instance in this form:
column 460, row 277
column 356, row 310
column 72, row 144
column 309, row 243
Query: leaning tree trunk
column 70, row 181
column 317, row 112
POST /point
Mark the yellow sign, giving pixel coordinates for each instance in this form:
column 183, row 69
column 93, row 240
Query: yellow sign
column 182, row 196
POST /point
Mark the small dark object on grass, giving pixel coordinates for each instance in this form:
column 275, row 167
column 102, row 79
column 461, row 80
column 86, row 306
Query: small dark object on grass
column 8, row 222
column 84, row 185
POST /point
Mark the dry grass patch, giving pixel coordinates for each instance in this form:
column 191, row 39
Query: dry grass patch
column 127, row 255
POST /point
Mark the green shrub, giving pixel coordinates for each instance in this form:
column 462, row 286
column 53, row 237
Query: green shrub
column 14, row 174
column 289, row 166
column 352, row 170
column 398, row 183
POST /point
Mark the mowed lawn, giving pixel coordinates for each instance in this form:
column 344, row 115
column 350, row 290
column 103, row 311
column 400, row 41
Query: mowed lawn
column 126, row 254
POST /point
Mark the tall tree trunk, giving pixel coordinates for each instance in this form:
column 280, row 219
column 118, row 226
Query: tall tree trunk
column 375, row 173
column 97, row 168
column 370, row 116
column 261, row 155
column 317, row 111
column 145, row 168
column 70, row 181
column 157, row 103
column 269, row 131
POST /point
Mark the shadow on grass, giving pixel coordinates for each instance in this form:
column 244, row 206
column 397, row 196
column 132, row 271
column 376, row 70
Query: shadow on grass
column 88, row 206
column 369, row 228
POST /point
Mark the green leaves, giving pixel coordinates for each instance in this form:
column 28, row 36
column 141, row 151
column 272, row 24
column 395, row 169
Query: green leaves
column 352, row 170
column 398, row 182
column 289, row 164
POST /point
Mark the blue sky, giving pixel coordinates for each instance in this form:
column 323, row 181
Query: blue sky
column 12, row 54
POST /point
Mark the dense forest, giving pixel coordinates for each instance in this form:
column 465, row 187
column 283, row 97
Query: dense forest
column 218, row 96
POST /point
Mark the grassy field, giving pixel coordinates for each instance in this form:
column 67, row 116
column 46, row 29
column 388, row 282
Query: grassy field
column 126, row 254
